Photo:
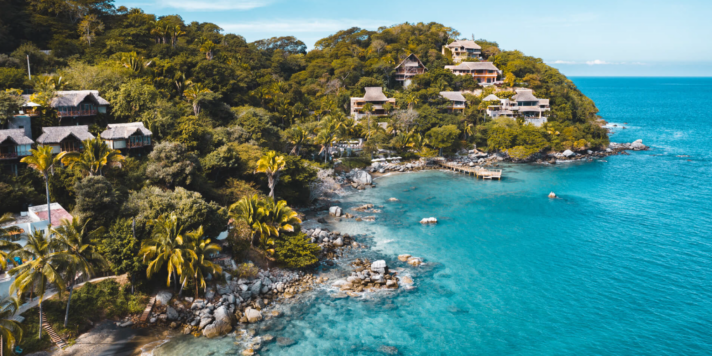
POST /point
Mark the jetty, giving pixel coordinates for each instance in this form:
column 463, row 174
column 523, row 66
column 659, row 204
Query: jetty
column 478, row 172
column 147, row 312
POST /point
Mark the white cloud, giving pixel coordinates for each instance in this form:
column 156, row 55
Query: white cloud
column 299, row 25
column 213, row 5
column 597, row 62
column 563, row 62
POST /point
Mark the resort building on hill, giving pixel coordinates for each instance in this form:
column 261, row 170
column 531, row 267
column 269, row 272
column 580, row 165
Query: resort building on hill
column 457, row 101
column 127, row 136
column 461, row 50
column 64, row 138
column 484, row 73
column 37, row 219
column 374, row 96
column 74, row 107
column 14, row 145
column 523, row 104
column 408, row 68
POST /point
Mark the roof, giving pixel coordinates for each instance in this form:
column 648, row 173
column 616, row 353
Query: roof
column 56, row 134
column 58, row 213
column 16, row 135
column 412, row 61
column 491, row 97
column 118, row 131
column 452, row 95
column 524, row 95
column 473, row 66
column 544, row 102
column 374, row 94
column 464, row 43
column 75, row 97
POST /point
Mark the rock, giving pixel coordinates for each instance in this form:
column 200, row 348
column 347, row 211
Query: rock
column 172, row 314
column 430, row 220
column 379, row 266
column 403, row 257
column 316, row 232
column 405, row 280
column 552, row 195
column 339, row 242
column 415, row 261
column 205, row 321
column 393, row 199
column 256, row 288
column 248, row 352
column 163, row 297
column 210, row 295
column 152, row 320
column 361, row 177
column 126, row 324
column 638, row 145
column 173, row 325
column 224, row 289
column 388, row 350
column 197, row 304
column 285, row 341
column 187, row 330
column 253, row 315
column 569, row 153
column 222, row 325
column 391, row 284
column 335, row 211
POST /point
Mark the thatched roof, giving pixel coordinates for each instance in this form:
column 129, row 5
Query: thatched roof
column 467, row 44
column 452, row 95
column 119, row 131
column 15, row 135
column 411, row 61
column 374, row 94
column 524, row 95
column 473, row 66
column 56, row 134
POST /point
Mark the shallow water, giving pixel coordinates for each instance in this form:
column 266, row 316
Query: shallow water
column 620, row 264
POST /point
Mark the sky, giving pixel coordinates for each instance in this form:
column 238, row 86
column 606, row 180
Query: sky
column 580, row 38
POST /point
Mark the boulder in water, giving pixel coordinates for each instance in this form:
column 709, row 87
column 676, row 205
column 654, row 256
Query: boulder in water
column 335, row 211
column 569, row 153
column 430, row 220
column 403, row 257
column 361, row 177
column 552, row 195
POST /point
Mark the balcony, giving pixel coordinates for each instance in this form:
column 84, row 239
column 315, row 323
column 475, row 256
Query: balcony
column 72, row 113
column 136, row 144
column 8, row 155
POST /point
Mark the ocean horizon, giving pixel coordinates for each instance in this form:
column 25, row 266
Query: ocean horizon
column 618, row 264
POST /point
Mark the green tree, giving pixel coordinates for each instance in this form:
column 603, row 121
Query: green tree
column 196, row 93
column 43, row 162
column 40, row 269
column 271, row 164
column 200, row 265
column 132, row 99
column 96, row 201
column 166, row 247
column 76, row 241
column 10, row 104
column 89, row 27
column 95, row 156
column 296, row 251
column 10, row 329
column 443, row 137
column 171, row 164
column 6, row 234
column 297, row 136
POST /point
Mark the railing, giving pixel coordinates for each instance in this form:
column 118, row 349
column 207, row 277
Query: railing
column 136, row 144
column 78, row 112
column 8, row 155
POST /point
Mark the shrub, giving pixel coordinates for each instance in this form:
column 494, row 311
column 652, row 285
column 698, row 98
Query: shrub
column 296, row 251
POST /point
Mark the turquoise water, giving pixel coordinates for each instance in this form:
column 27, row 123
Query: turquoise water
column 620, row 264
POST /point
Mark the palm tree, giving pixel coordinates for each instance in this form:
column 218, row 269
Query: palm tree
column 165, row 246
column 95, row 156
column 42, row 161
column 135, row 62
column 326, row 133
column 252, row 212
column 175, row 32
column 5, row 236
column 75, row 240
column 194, row 94
column 39, row 270
column 208, row 47
column 271, row 164
column 402, row 141
column 297, row 136
column 198, row 266
column 281, row 216
column 10, row 329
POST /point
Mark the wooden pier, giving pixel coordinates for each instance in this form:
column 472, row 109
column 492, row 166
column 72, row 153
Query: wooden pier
column 56, row 339
column 147, row 312
column 477, row 172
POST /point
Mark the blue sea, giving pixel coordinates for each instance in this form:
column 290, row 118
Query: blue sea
column 620, row 264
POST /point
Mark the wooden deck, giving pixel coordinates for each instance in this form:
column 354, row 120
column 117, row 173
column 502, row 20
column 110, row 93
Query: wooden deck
column 147, row 312
column 52, row 334
column 479, row 173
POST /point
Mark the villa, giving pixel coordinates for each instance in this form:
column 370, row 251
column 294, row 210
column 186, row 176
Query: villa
column 65, row 138
column 37, row 219
column 74, row 107
column 523, row 104
column 14, row 144
column 484, row 73
column 127, row 136
column 457, row 101
column 461, row 50
column 374, row 96
column 409, row 68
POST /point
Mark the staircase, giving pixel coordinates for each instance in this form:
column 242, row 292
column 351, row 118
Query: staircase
column 147, row 311
column 52, row 335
